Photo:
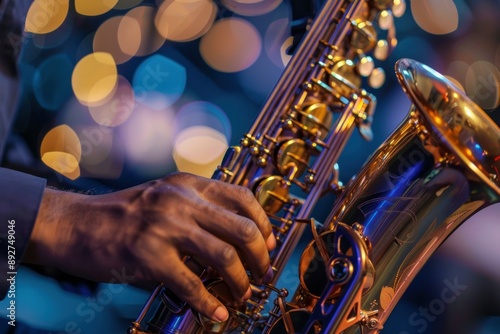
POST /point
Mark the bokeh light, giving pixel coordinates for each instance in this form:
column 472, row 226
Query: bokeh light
column 94, row 8
column 52, row 81
column 203, row 113
column 96, row 143
column 435, row 17
column 398, row 8
column 277, row 34
column 458, row 71
column 61, row 151
column 285, row 55
column 251, row 7
column 45, row 16
column 118, row 108
column 102, row 154
column 472, row 48
column 54, row 38
column 106, row 40
column 455, row 82
column 199, row 150
column 147, row 140
column 137, row 34
column 159, row 81
column 94, row 78
column 482, row 84
column 185, row 20
column 385, row 20
column 232, row 45
column 127, row 4
column 381, row 51
column 129, row 36
column 203, row 132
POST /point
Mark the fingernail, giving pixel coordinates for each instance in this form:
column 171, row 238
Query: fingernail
column 269, row 275
column 221, row 314
column 271, row 242
column 248, row 294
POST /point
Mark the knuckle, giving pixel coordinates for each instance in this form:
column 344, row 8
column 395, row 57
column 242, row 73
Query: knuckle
column 204, row 206
column 228, row 254
column 247, row 195
column 266, row 224
column 151, row 194
column 192, row 233
column 248, row 231
column 192, row 287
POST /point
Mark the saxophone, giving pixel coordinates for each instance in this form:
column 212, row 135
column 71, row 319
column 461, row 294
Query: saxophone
column 440, row 166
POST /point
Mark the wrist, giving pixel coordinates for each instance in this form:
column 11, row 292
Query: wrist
column 52, row 229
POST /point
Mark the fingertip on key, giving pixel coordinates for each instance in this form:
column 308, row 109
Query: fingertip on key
column 271, row 242
column 220, row 314
column 269, row 275
column 248, row 294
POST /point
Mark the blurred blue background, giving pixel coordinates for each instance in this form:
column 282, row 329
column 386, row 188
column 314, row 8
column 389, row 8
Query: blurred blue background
column 185, row 80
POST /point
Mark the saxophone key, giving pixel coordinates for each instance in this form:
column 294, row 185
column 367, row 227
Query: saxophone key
column 385, row 20
column 365, row 66
column 292, row 158
column 382, row 50
column 377, row 78
column 317, row 117
column 273, row 193
column 363, row 36
column 398, row 8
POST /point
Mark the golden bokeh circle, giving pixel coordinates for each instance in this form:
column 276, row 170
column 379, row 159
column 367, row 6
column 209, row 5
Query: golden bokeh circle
column 45, row 16
column 184, row 21
column 94, row 78
column 231, row 45
column 94, row 8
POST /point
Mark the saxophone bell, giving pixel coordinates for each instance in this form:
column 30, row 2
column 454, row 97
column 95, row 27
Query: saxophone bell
column 436, row 170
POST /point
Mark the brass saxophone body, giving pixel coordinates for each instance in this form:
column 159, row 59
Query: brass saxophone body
column 439, row 167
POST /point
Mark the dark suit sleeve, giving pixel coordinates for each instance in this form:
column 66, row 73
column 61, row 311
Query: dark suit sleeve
column 20, row 196
column 12, row 14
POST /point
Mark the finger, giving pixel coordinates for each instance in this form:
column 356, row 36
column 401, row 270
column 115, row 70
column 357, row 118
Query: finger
column 240, row 232
column 242, row 201
column 222, row 257
column 189, row 287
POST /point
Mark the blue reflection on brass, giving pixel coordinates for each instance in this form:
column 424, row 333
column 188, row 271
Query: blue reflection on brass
column 391, row 199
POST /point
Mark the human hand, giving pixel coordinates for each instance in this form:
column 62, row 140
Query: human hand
column 148, row 229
